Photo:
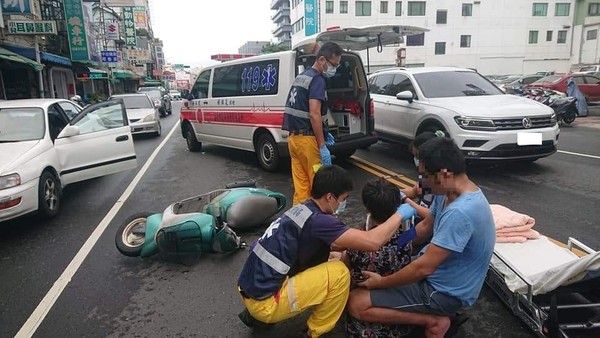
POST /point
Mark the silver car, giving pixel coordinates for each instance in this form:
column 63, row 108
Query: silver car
column 142, row 113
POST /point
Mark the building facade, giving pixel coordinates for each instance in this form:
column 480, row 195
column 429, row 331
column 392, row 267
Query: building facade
column 281, row 19
column 494, row 37
column 586, row 49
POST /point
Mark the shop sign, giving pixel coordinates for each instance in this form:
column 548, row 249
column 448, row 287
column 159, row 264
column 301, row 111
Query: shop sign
column 129, row 23
column 31, row 27
column 76, row 30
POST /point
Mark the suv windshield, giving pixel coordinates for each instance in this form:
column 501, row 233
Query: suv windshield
column 135, row 101
column 455, row 84
column 21, row 124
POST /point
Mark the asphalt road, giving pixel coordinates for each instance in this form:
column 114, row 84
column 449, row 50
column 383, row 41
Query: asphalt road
column 113, row 295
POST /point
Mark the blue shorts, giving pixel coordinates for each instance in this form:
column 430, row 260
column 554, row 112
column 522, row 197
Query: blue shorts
column 420, row 297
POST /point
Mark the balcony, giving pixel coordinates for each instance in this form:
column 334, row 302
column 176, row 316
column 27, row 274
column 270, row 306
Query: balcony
column 281, row 13
column 275, row 4
column 282, row 29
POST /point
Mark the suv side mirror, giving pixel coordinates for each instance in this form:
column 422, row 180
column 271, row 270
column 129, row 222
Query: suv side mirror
column 406, row 95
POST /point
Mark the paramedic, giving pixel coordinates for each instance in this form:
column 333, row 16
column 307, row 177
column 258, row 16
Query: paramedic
column 449, row 272
column 302, row 118
column 288, row 272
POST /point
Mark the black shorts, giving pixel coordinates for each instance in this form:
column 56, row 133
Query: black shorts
column 419, row 297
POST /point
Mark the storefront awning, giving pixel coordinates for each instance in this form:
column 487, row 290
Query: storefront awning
column 123, row 74
column 14, row 57
column 44, row 56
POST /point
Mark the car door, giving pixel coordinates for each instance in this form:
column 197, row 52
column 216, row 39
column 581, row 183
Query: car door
column 592, row 85
column 96, row 142
column 405, row 114
column 378, row 85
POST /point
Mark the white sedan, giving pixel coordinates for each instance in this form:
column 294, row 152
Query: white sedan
column 142, row 113
column 46, row 144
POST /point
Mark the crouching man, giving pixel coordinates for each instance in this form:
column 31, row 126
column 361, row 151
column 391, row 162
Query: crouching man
column 288, row 270
column 449, row 272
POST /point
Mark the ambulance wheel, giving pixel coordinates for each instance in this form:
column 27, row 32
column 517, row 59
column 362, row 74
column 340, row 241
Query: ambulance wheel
column 131, row 235
column 191, row 140
column 267, row 153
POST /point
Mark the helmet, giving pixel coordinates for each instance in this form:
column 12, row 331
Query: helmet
column 76, row 98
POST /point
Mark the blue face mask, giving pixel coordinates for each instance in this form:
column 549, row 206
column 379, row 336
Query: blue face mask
column 341, row 208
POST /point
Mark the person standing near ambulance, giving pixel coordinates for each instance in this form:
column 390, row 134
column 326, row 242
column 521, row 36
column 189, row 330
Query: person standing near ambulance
column 303, row 119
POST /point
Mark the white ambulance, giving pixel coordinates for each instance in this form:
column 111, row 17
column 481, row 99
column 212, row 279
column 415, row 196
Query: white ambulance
column 239, row 104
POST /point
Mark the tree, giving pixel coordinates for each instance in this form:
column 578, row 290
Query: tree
column 274, row 48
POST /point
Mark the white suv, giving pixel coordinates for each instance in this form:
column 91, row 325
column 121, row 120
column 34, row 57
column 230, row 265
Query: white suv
column 484, row 122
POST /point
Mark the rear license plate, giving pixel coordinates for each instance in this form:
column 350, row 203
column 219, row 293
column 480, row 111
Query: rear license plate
column 529, row 139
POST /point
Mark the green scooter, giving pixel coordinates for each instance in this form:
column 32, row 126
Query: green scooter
column 200, row 224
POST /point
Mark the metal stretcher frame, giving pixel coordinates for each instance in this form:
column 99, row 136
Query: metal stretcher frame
column 543, row 320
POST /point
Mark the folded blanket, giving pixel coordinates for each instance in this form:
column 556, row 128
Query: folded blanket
column 506, row 218
column 529, row 234
column 515, row 229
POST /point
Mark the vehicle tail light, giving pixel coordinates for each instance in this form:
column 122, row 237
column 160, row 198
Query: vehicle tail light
column 372, row 115
column 10, row 204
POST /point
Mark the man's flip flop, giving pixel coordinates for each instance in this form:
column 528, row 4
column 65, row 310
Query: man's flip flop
column 455, row 324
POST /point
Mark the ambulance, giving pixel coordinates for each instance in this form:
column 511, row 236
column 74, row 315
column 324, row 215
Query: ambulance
column 239, row 104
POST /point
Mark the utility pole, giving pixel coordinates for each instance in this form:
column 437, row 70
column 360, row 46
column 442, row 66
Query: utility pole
column 39, row 60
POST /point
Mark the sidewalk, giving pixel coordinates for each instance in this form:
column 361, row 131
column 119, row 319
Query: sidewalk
column 590, row 121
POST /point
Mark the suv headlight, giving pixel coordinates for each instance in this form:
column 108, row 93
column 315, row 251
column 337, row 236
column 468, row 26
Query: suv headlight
column 149, row 118
column 9, row 181
column 471, row 123
column 553, row 119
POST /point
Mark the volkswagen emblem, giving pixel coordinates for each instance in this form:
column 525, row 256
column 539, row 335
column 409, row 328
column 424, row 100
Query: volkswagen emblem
column 526, row 123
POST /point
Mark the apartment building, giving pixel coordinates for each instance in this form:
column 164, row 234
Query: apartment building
column 494, row 37
column 281, row 19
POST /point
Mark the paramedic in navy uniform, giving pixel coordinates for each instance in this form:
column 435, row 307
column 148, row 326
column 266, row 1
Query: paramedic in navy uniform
column 302, row 118
column 288, row 271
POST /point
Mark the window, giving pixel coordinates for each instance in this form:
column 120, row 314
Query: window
column 591, row 80
column 548, row 35
column 592, row 34
column 441, row 16
column 562, row 9
column 298, row 25
column 363, row 8
column 415, row 40
column 254, row 78
column 562, row 37
column 578, row 79
column 540, row 9
column 467, row 9
column 465, row 41
column 107, row 116
column 343, row 7
column 383, row 7
column 399, row 84
column 200, row 89
column 379, row 84
column 594, row 9
column 70, row 109
column 329, row 7
column 440, row 48
column 533, row 37
column 416, row 8
column 398, row 8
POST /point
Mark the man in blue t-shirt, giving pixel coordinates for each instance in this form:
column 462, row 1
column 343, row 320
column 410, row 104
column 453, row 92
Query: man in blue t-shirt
column 288, row 272
column 450, row 270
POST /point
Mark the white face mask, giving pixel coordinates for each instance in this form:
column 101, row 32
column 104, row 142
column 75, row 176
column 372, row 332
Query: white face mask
column 330, row 72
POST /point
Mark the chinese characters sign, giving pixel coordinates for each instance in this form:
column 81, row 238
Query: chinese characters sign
column 109, row 56
column 76, row 30
column 16, row 7
column 137, row 55
column 30, row 27
column 139, row 17
column 310, row 17
column 129, row 21
column 160, row 57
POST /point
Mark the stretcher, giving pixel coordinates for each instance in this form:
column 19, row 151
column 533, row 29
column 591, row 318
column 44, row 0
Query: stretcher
column 553, row 289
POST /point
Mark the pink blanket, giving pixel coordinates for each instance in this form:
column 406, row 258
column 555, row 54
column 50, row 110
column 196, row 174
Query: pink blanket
column 506, row 218
column 529, row 234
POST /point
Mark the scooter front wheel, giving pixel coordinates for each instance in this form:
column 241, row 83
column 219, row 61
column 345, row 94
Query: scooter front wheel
column 131, row 235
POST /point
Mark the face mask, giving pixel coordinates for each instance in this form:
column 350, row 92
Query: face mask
column 341, row 208
column 330, row 72
column 416, row 161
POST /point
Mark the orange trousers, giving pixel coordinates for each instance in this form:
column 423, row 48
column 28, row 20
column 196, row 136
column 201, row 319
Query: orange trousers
column 305, row 155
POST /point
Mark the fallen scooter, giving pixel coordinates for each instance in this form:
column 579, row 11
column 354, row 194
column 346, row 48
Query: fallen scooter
column 200, row 224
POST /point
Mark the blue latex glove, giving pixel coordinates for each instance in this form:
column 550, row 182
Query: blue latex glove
column 406, row 237
column 406, row 211
column 329, row 139
column 325, row 155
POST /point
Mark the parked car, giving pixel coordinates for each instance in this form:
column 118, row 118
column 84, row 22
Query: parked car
column 516, row 87
column 45, row 147
column 589, row 69
column 588, row 84
column 174, row 94
column 142, row 113
column 160, row 96
column 485, row 123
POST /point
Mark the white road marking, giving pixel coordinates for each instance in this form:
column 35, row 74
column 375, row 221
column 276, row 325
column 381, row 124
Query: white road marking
column 578, row 154
column 40, row 312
